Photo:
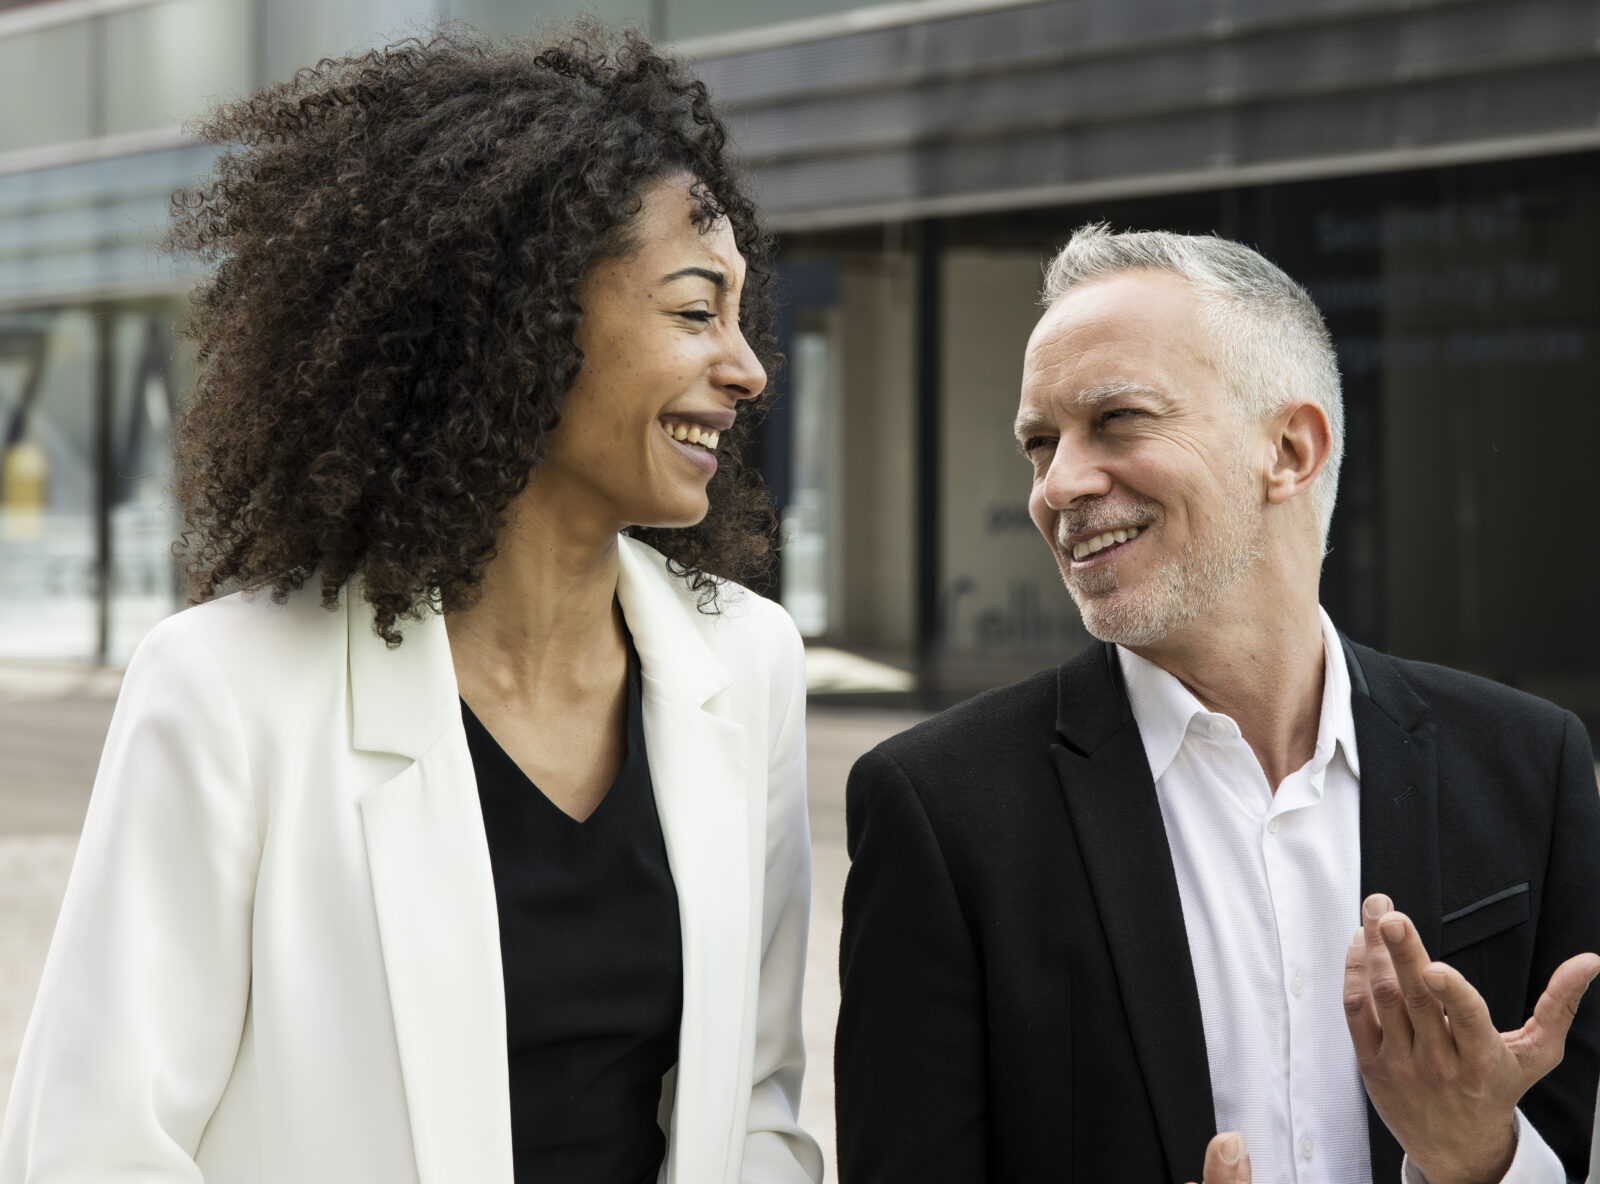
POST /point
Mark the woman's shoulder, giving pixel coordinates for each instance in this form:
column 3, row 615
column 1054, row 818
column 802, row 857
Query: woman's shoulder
column 245, row 638
column 725, row 612
column 744, row 635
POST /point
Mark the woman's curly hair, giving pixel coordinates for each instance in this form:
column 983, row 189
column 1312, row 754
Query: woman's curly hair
column 387, row 335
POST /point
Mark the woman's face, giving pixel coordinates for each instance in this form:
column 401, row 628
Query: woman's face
column 665, row 365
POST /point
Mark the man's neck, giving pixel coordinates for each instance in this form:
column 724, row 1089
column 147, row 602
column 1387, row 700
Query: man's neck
column 1262, row 665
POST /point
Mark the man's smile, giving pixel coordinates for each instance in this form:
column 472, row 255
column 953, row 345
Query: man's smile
column 1086, row 549
column 1103, row 543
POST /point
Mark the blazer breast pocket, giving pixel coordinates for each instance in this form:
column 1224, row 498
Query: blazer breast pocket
column 1480, row 919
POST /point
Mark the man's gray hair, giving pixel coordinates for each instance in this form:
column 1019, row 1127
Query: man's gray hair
column 1271, row 343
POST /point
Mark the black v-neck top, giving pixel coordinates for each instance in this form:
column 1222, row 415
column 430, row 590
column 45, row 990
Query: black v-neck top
column 593, row 961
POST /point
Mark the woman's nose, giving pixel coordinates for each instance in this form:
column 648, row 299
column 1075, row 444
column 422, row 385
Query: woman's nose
column 741, row 374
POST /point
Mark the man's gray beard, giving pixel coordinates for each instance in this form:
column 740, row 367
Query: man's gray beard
column 1183, row 588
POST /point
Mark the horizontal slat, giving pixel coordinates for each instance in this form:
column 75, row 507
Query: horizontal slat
column 1417, row 116
column 1063, row 30
column 118, row 220
column 92, row 226
column 132, row 268
column 1093, row 91
column 86, row 181
column 1302, row 63
column 903, row 55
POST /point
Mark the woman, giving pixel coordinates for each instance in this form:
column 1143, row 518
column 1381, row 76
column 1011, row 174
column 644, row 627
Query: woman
column 468, row 842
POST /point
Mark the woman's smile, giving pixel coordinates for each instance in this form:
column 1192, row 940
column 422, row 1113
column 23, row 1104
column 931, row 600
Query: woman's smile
column 696, row 435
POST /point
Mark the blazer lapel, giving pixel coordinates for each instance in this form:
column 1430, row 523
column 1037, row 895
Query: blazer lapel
column 1399, row 820
column 698, row 769
column 433, row 892
column 1123, row 841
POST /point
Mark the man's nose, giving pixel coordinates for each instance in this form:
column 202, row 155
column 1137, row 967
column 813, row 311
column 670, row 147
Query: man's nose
column 1073, row 474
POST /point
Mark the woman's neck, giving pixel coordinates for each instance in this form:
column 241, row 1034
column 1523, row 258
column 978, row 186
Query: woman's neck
column 546, row 614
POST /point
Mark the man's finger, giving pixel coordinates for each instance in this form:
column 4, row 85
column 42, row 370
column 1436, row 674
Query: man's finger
column 1227, row 1160
column 1471, row 1028
column 1410, row 960
column 1542, row 1040
column 1359, row 1013
column 1381, row 978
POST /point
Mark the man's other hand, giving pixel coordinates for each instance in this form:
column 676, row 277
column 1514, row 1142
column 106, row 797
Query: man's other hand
column 1443, row 1080
column 1227, row 1160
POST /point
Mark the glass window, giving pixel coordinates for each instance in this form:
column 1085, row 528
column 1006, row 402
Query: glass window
column 810, row 535
column 48, row 575
column 44, row 87
column 296, row 33
column 1002, row 598
column 52, row 364
column 518, row 16
column 876, row 473
column 144, row 582
column 706, row 18
column 835, row 449
column 170, row 62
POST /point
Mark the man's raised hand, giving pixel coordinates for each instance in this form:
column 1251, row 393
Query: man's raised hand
column 1443, row 1080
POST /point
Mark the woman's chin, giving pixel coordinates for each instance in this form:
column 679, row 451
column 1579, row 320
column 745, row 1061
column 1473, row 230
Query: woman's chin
column 677, row 513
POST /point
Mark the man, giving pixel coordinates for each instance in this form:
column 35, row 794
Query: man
column 1097, row 917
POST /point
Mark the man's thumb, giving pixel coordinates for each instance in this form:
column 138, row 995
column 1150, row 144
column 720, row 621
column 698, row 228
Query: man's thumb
column 1546, row 1035
column 1227, row 1160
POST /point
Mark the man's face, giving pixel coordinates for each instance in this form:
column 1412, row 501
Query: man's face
column 1146, row 480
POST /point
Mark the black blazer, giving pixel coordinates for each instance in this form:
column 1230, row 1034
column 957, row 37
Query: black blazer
column 1018, row 1000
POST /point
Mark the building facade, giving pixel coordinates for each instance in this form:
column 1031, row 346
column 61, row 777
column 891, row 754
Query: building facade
column 1430, row 170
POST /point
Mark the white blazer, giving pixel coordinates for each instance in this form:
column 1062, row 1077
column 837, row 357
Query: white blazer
column 278, row 960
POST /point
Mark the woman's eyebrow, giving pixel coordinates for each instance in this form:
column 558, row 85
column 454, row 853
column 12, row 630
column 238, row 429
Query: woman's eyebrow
column 705, row 273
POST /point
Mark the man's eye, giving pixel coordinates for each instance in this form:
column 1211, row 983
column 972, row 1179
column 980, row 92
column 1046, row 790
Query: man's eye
column 1121, row 413
column 1033, row 442
column 700, row 316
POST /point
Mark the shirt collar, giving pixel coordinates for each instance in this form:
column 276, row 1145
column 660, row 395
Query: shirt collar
column 1337, row 725
column 1163, row 708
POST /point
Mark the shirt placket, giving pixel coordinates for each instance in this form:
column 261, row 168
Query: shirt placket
column 1293, row 806
column 1233, row 768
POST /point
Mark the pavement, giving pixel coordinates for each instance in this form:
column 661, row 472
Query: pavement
column 53, row 721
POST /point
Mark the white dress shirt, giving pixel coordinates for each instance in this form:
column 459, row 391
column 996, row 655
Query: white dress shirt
column 1270, row 885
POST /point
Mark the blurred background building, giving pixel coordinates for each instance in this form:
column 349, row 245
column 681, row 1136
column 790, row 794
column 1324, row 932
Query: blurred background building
column 1430, row 170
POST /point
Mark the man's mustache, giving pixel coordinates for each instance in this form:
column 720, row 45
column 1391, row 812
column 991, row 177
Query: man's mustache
column 1103, row 518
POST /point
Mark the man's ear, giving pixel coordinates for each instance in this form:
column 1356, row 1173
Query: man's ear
column 1301, row 440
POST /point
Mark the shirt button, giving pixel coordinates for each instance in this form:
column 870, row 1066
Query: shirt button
column 1272, row 825
column 1307, row 1147
column 1296, row 985
column 1219, row 728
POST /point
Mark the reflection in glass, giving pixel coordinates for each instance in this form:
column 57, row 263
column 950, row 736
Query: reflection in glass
column 51, row 485
column 143, row 577
column 47, row 537
column 808, row 537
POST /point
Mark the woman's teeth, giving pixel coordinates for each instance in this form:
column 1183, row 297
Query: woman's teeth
column 1101, row 541
column 692, row 433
